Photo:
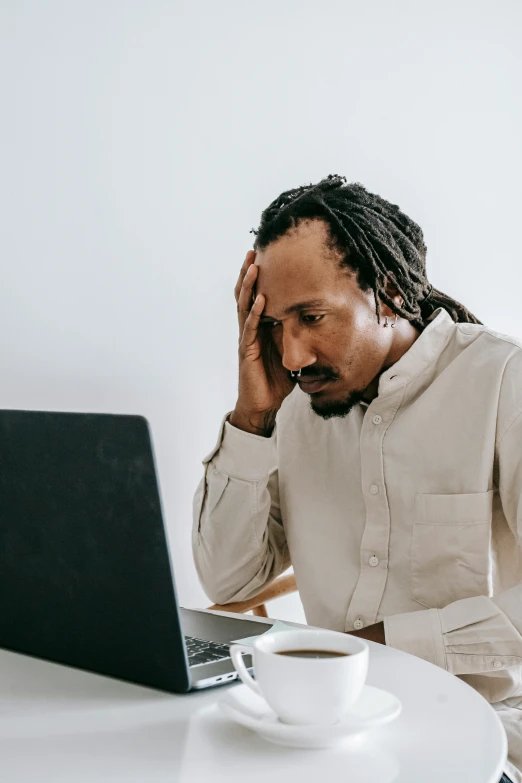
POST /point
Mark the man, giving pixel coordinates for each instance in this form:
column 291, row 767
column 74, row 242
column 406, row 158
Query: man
column 375, row 445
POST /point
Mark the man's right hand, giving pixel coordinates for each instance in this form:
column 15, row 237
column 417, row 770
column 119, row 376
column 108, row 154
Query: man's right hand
column 263, row 381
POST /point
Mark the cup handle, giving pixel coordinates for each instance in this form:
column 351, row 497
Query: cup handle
column 236, row 651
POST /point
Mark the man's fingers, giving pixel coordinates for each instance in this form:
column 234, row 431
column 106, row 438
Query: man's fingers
column 249, row 260
column 250, row 332
column 244, row 303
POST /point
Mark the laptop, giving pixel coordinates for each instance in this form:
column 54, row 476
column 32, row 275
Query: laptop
column 86, row 578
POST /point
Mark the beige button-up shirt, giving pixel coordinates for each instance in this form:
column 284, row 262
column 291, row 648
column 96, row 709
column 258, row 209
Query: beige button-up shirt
column 408, row 510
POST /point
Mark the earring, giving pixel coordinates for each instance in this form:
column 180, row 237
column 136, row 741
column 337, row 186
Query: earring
column 386, row 321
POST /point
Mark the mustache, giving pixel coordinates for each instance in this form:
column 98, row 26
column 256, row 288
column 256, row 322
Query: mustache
column 320, row 374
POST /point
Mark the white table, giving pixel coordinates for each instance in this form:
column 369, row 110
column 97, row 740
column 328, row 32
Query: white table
column 62, row 725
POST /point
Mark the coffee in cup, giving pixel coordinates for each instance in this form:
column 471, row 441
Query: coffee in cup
column 312, row 653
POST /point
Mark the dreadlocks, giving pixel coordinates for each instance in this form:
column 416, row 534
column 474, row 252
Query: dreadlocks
column 376, row 240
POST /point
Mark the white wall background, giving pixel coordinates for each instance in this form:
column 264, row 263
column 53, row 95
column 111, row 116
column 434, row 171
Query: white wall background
column 140, row 141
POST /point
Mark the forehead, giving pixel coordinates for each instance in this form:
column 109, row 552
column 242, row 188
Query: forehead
column 299, row 264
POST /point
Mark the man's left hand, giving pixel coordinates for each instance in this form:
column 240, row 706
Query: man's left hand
column 372, row 633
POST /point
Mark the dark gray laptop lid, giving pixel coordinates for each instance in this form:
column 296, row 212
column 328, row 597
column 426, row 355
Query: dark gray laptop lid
column 85, row 573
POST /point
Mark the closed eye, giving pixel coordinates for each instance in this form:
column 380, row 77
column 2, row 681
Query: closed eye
column 272, row 324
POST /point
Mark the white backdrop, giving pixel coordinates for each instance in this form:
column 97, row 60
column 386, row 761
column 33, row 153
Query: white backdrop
column 140, row 141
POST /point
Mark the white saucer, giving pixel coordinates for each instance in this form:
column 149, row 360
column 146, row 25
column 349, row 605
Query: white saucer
column 374, row 707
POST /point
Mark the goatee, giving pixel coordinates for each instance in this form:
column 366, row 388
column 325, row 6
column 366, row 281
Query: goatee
column 339, row 408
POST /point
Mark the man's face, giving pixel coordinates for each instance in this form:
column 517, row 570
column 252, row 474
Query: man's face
column 338, row 338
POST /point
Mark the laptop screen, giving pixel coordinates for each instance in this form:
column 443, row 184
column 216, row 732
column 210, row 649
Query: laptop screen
column 85, row 574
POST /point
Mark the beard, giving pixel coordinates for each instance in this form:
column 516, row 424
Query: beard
column 339, row 408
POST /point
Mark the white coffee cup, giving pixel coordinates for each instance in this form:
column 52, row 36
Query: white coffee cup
column 305, row 690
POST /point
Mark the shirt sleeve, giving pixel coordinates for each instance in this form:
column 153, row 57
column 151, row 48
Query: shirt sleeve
column 238, row 541
column 479, row 634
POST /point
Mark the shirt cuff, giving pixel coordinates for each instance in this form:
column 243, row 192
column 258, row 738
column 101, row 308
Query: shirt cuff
column 243, row 455
column 417, row 633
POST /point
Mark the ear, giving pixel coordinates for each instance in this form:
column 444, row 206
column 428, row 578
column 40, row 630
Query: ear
column 392, row 292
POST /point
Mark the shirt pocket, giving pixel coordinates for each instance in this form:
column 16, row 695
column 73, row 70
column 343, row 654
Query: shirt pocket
column 450, row 548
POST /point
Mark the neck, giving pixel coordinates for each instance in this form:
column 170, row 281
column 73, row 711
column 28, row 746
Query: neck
column 404, row 336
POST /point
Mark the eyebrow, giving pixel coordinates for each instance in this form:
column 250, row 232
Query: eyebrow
column 298, row 307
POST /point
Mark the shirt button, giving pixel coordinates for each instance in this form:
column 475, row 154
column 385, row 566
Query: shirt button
column 374, row 489
column 377, row 419
column 358, row 624
column 373, row 561
column 497, row 664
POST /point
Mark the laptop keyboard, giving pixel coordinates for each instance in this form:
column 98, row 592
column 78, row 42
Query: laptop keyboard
column 202, row 651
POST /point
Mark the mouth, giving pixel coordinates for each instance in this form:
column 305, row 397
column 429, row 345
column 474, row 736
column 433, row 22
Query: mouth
column 312, row 386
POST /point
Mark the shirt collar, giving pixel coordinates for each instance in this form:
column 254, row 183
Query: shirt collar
column 425, row 350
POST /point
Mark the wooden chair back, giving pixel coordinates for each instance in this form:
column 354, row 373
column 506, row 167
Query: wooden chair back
column 283, row 585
